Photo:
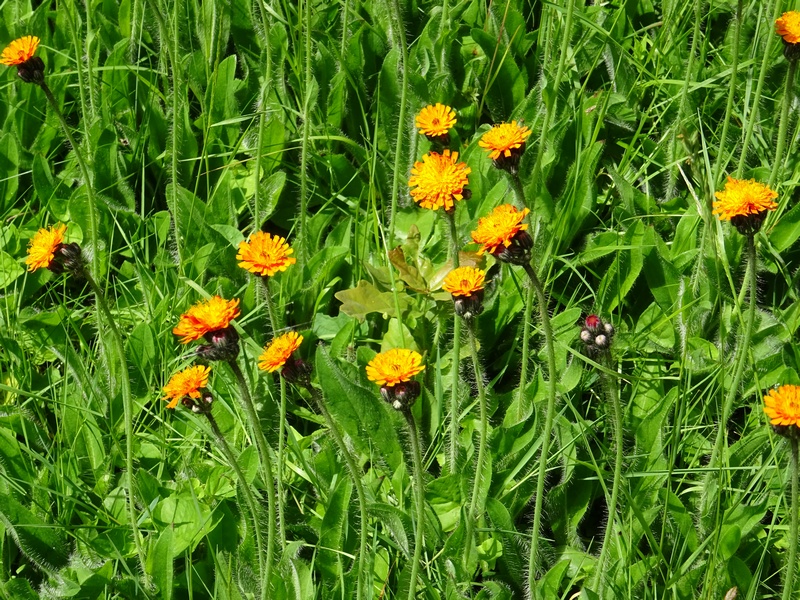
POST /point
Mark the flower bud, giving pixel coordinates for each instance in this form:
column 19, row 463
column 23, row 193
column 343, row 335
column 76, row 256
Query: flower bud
column 224, row 345
column 596, row 335
column 298, row 371
column 401, row 395
column 32, row 70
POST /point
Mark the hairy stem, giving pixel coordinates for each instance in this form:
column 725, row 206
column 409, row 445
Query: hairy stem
column 263, row 455
column 791, row 563
column 363, row 568
column 473, row 505
column 91, row 204
column 455, row 384
column 533, row 561
column 612, row 394
column 777, row 166
column 400, row 41
column 721, row 158
column 305, row 248
column 419, row 533
column 550, row 110
column 265, row 562
column 450, row 217
column 127, row 405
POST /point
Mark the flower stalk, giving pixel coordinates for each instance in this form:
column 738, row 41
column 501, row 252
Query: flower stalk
column 264, row 560
column 533, row 561
column 612, row 394
column 476, row 485
column 127, row 405
column 788, row 95
column 791, row 564
column 455, row 384
column 263, row 455
column 92, row 206
column 419, row 489
column 363, row 568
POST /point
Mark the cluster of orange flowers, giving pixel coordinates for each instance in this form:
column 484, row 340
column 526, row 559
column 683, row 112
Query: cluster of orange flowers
column 439, row 180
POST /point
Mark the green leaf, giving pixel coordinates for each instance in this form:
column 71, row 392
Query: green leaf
column 365, row 298
column 10, row 270
column 624, row 271
column 160, row 563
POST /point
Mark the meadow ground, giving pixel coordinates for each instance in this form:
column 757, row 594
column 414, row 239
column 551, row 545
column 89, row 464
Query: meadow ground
column 578, row 412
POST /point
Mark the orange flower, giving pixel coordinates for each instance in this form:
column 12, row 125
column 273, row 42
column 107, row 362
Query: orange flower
column 742, row 198
column 499, row 228
column 464, row 281
column 395, row 366
column 782, row 405
column 214, row 314
column 19, row 51
column 788, row 27
column 188, row 382
column 43, row 246
column 505, row 139
column 435, row 121
column 439, row 180
column 264, row 254
column 279, row 351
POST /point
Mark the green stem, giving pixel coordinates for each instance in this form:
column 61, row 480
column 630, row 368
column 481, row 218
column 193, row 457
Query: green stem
column 519, row 192
column 400, row 40
column 91, row 204
column 721, row 157
column 419, row 534
column 455, row 385
column 533, row 561
column 526, row 336
column 450, row 217
column 473, row 505
column 264, row 457
column 766, row 59
column 784, row 125
column 265, row 566
column 550, row 110
column 741, row 359
column 791, row 565
column 273, row 317
column 713, row 488
column 612, row 393
column 305, row 243
column 273, row 320
column 280, row 460
column 363, row 568
column 127, row 404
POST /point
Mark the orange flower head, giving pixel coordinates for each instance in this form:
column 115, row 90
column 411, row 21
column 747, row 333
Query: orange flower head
column 19, row 51
column 214, row 314
column 464, row 281
column 435, row 121
column 744, row 203
column 499, row 229
column 264, row 254
column 279, row 351
column 188, row 382
column 782, row 405
column 439, row 180
column 788, row 27
column 504, row 139
column 394, row 366
column 43, row 247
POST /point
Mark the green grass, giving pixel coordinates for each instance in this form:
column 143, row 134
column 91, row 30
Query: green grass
column 200, row 123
